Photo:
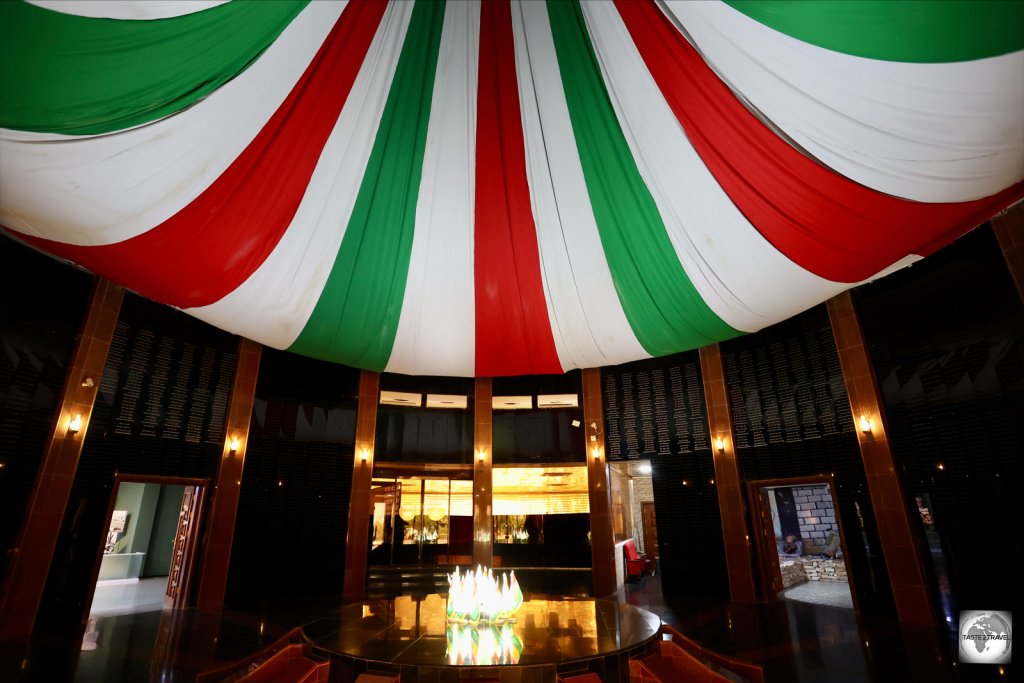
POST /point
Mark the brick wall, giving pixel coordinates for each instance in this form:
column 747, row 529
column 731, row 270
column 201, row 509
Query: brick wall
column 815, row 512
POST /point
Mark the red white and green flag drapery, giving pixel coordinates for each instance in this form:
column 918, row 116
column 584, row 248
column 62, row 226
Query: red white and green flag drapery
column 493, row 188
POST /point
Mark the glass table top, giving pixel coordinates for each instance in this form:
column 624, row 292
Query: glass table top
column 414, row 630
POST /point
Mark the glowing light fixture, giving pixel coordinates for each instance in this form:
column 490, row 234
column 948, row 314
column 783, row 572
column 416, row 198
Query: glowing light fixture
column 481, row 597
column 364, row 454
column 233, row 447
column 720, row 445
column 75, row 424
column 481, row 453
column 865, row 425
column 597, row 453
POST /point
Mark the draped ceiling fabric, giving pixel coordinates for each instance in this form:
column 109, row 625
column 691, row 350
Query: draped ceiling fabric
column 502, row 188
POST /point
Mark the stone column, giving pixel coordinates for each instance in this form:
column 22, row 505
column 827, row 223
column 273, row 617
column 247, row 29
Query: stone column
column 602, row 542
column 727, row 477
column 213, row 575
column 23, row 587
column 900, row 548
column 361, row 504
column 483, row 495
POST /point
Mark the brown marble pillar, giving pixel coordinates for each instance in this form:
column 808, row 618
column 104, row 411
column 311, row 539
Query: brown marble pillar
column 33, row 552
column 899, row 546
column 1009, row 230
column 483, row 495
column 727, row 477
column 602, row 542
column 213, row 575
column 360, row 505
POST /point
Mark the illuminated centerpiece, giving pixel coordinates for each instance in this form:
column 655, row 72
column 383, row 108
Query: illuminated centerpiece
column 481, row 597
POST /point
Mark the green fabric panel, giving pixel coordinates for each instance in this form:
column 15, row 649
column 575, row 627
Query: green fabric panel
column 356, row 318
column 662, row 306
column 898, row 30
column 61, row 73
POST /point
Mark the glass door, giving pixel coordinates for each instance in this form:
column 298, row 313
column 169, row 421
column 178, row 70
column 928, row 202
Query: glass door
column 420, row 520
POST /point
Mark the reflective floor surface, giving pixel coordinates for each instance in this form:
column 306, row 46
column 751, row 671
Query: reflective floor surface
column 793, row 641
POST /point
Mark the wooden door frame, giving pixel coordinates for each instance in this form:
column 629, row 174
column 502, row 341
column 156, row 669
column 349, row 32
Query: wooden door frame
column 763, row 555
column 189, row 564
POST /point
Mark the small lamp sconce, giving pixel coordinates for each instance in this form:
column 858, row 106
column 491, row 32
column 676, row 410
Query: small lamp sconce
column 233, row 446
column 88, row 382
column 364, row 454
column 940, row 467
column 865, row 424
column 597, row 452
column 481, row 453
column 74, row 424
column 720, row 445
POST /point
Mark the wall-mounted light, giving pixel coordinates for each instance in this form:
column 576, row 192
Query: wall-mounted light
column 481, row 453
column 364, row 454
column 865, row 424
column 720, row 445
column 940, row 467
column 74, row 424
column 597, row 452
column 233, row 446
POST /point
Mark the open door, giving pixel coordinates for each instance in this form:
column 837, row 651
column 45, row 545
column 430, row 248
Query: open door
column 799, row 540
column 650, row 529
column 180, row 577
column 147, row 555
column 764, row 543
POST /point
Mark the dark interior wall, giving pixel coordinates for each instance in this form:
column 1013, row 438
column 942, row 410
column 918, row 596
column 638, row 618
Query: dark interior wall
column 946, row 338
column 656, row 409
column 421, row 434
column 38, row 326
column 160, row 409
column 538, row 435
column 692, row 553
column 293, row 510
column 791, row 418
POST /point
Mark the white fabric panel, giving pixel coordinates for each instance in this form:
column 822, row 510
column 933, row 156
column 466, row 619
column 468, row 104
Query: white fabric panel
column 127, row 9
column 589, row 326
column 437, row 326
column 928, row 132
column 102, row 189
column 274, row 304
column 745, row 280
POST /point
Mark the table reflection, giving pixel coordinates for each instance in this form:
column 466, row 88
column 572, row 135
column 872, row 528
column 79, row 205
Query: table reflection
column 482, row 645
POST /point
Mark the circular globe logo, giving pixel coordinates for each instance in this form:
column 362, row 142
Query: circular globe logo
column 985, row 637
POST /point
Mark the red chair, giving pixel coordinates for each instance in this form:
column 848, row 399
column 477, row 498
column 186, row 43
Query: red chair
column 636, row 564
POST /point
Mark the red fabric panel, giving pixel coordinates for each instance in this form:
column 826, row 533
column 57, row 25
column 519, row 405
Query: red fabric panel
column 824, row 222
column 218, row 240
column 513, row 334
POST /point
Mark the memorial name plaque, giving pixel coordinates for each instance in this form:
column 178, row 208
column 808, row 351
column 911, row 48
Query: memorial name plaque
column 654, row 407
column 161, row 386
column 785, row 386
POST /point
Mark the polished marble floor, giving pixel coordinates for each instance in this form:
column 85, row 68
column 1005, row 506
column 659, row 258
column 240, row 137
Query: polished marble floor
column 147, row 595
column 794, row 642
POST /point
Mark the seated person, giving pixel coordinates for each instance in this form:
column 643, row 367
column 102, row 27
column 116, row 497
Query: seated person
column 832, row 550
column 790, row 546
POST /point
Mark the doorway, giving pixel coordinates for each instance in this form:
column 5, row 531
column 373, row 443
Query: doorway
column 421, row 518
column 799, row 541
column 147, row 555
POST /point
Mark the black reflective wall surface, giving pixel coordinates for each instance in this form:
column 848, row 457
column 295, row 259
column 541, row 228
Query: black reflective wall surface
column 293, row 510
column 42, row 305
column 946, row 337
